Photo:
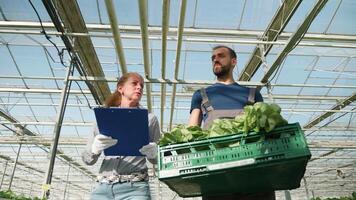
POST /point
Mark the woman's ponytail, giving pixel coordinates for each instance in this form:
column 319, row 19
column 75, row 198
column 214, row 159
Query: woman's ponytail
column 114, row 100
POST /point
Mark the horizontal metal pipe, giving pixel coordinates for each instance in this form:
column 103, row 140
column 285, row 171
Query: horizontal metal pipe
column 15, row 25
column 174, row 38
column 173, row 81
column 15, row 43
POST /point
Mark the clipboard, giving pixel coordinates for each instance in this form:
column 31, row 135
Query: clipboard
column 128, row 125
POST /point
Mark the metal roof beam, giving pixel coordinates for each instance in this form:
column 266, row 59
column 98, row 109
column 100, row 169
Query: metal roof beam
column 183, row 8
column 274, row 29
column 145, row 46
column 180, row 94
column 294, row 39
column 165, row 29
column 73, row 21
column 325, row 115
column 116, row 34
column 172, row 31
column 198, row 39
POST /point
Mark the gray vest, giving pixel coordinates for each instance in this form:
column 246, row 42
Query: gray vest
column 213, row 114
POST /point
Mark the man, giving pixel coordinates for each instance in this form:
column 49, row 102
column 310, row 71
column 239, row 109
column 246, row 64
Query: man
column 224, row 99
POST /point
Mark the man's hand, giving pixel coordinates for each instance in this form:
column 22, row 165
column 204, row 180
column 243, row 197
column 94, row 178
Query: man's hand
column 102, row 142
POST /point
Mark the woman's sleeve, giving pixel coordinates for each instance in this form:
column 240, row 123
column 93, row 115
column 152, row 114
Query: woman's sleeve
column 154, row 132
column 154, row 129
column 87, row 156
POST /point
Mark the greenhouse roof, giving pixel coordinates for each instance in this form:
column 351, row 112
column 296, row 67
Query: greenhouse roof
column 302, row 54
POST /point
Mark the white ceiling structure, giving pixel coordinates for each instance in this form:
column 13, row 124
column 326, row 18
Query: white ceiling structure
column 58, row 59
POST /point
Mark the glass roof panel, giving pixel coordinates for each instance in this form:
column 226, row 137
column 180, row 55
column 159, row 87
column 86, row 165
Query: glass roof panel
column 90, row 10
column 314, row 77
column 258, row 14
column 221, row 15
column 22, row 11
column 127, row 12
column 322, row 21
column 343, row 21
column 190, row 16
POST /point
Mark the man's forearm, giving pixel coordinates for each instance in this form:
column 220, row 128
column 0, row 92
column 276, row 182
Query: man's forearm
column 195, row 118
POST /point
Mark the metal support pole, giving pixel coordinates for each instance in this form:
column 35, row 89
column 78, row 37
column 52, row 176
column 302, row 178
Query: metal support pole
column 57, row 130
column 31, row 189
column 287, row 195
column 66, row 186
column 13, row 169
column 183, row 8
column 306, row 188
column 3, row 175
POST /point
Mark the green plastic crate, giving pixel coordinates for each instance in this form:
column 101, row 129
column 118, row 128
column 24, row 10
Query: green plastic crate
column 230, row 164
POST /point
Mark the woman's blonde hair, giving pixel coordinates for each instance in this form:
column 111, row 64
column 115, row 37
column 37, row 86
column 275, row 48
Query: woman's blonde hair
column 114, row 100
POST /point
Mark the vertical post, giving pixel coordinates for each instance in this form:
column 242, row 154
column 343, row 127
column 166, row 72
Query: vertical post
column 57, row 130
column 13, row 170
column 31, row 189
column 3, row 175
column 287, row 195
column 66, row 186
column 306, row 188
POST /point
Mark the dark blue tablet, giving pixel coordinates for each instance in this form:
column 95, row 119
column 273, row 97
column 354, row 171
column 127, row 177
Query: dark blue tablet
column 128, row 125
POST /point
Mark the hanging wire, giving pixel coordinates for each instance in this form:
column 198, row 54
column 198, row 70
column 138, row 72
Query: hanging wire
column 61, row 53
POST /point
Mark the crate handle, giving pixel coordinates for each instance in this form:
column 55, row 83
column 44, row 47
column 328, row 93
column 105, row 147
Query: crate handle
column 202, row 175
column 252, row 139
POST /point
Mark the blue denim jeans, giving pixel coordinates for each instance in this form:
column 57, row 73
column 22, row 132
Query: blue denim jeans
column 121, row 191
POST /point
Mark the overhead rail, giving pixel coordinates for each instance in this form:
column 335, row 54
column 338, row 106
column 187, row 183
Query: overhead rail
column 193, row 83
column 211, row 40
column 294, row 39
column 183, row 8
column 274, row 29
column 180, row 94
column 70, row 20
column 116, row 34
column 172, row 31
column 142, row 4
column 165, row 29
column 339, row 106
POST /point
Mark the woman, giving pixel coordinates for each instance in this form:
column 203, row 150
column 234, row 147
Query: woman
column 123, row 177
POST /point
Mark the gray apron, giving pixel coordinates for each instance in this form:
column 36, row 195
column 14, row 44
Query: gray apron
column 212, row 114
column 207, row 108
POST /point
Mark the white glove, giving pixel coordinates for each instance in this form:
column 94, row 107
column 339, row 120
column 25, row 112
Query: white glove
column 150, row 150
column 102, row 142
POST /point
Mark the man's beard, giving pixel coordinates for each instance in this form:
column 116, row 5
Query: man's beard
column 222, row 71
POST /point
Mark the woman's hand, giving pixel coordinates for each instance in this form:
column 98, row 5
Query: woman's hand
column 102, row 142
column 150, row 150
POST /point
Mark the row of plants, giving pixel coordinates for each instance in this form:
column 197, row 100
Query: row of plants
column 8, row 194
column 353, row 197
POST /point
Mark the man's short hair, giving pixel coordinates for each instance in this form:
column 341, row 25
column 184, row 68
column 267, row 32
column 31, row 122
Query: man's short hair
column 231, row 51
